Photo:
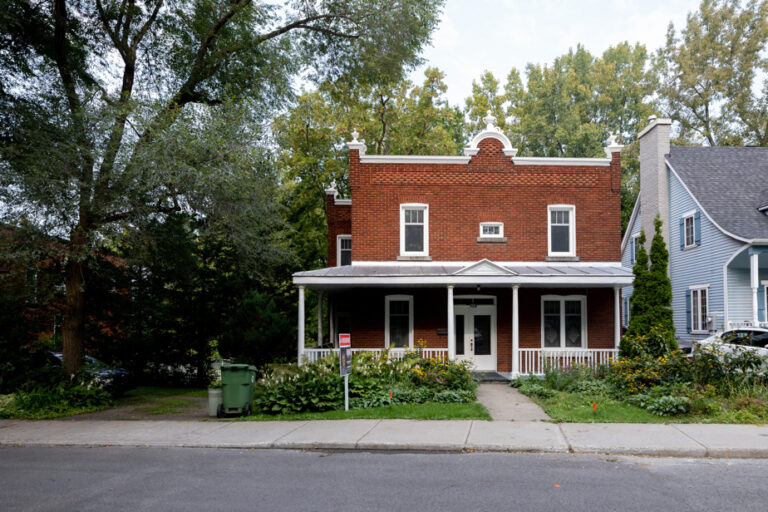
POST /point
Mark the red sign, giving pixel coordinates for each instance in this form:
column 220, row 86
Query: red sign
column 345, row 340
column 345, row 354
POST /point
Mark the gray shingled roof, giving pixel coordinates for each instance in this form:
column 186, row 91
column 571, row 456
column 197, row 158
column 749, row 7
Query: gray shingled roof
column 731, row 183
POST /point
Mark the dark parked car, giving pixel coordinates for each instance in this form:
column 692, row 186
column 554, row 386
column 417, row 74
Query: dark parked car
column 114, row 380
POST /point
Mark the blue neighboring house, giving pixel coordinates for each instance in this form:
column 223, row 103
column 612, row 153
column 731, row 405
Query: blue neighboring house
column 714, row 204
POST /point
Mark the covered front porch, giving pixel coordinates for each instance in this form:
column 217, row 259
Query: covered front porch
column 746, row 282
column 510, row 319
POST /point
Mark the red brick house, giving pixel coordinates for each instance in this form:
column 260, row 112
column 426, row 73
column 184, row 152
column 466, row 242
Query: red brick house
column 493, row 257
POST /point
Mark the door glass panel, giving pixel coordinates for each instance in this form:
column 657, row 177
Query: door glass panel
column 551, row 323
column 460, row 335
column 399, row 335
column 482, row 335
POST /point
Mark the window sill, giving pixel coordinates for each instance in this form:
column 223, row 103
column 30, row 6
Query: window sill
column 492, row 239
column 562, row 258
column 691, row 247
column 414, row 258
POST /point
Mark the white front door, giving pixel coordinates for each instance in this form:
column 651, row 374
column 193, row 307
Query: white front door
column 476, row 335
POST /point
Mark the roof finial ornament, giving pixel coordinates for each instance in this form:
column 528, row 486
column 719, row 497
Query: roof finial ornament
column 490, row 121
column 355, row 135
column 612, row 147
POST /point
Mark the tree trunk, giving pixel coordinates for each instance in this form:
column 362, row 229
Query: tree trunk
column 73, row 330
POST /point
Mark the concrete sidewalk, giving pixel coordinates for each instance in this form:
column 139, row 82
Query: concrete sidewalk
column 721, row 441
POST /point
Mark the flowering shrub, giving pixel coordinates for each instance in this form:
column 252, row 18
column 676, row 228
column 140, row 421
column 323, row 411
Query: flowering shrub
column 638, row 374
column 376, row 380
column 657, row 342
column 81, row 394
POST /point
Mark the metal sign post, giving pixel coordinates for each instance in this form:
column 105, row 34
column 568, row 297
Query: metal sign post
column 345, row 364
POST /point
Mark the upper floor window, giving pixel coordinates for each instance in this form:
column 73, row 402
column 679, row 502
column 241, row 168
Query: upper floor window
column 562, row 230
column 690, row 230
column 633, row 247
column 414, row 230
column 491, row 229
column 343, row 250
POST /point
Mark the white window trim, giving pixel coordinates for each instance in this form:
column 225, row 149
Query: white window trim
column 339, row 238
column 633, row 240
column 414, row 206
column 571, row 228
column 584, row 330
column 499, row 235
column 689, row 215
column 693, row 289
column 387, row 300
column 625, row 306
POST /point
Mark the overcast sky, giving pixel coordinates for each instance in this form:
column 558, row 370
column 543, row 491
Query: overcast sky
column 497, row 35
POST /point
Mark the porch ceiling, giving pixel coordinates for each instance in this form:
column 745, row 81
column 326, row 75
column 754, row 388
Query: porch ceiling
column 441, row 274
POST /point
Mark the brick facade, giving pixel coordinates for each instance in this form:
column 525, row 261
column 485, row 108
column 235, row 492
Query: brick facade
column 338, row 217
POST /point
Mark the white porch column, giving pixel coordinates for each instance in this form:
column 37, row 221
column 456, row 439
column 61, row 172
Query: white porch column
column 331, row 335
column 515, row 332
column 319, row 319
column 616, row 315
column 755, row 283
column 301, row 322
column 451, row 325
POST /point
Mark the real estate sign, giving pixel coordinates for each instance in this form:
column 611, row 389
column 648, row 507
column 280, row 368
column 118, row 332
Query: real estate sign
column 345, row 354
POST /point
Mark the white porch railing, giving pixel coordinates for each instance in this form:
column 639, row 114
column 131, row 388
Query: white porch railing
column 746, row 323
column 536, row 360
column 313, row 354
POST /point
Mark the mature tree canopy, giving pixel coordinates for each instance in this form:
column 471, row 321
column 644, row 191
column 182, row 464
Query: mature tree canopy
column 117, row 111
column 713, row 73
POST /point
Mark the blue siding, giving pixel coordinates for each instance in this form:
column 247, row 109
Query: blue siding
column 626, row 259
column 699, row 265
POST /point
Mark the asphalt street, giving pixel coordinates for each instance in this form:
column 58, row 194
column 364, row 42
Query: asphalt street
column 184, row 479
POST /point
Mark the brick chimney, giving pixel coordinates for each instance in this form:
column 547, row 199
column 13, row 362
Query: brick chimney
column 654, row 182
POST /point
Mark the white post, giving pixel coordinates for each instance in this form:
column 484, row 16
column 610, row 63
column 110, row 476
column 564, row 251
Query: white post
column 330, row 322
column 319, row 319
column 451, row 325
column 754, row 281
column 515, row 332
column 616, row 315
column 301, row 322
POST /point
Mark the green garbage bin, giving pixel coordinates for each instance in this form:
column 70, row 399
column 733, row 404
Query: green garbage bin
column 237, row 382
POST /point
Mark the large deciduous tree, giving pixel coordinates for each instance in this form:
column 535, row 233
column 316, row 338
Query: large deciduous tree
column 714, row 74
column 115, row 112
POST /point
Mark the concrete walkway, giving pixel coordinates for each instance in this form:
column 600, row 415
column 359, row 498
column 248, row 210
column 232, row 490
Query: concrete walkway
column 505, row 403
column 723, row 441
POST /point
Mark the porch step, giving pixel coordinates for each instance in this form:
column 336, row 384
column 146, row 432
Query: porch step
column 485, row 376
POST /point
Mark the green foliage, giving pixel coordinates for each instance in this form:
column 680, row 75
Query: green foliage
column 713, row 74
column 62, row 399
column 657, row 342
column 664, row 405
column 651, row 301
column 533, row 388
column 376, row 380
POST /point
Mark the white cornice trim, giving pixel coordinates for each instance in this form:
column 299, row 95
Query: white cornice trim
column 726, row 232
column 627, row 233
column 359, row 146
column 503, row 263
column 413, row 159
column 342, row 202
column 540, row 160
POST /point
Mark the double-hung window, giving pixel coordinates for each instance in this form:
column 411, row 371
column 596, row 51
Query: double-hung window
column 564, row 321
column 398, row 321
column 343, row 250
column 414, row 230
column 698, row 308
column 633, row 247
column 690, row 230
column 562, row 230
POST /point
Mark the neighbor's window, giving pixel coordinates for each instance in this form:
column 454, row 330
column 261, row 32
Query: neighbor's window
column 343, row 250
column 562, row 237
column 398, row 321
column 690, row 237
column 564, row 321
column 414, row 230
column 491, row 229
column 699, row 309
column 634, row 246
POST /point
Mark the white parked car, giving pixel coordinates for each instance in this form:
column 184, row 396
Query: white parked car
column 743, row 338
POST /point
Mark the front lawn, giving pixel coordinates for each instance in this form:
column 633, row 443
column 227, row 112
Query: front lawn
column 651, row 388
column 425, row 411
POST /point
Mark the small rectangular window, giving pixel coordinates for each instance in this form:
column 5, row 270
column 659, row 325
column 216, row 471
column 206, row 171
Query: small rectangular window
column 491, row 229
column 344, row 250
column 690, row 236
column 635, row 247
